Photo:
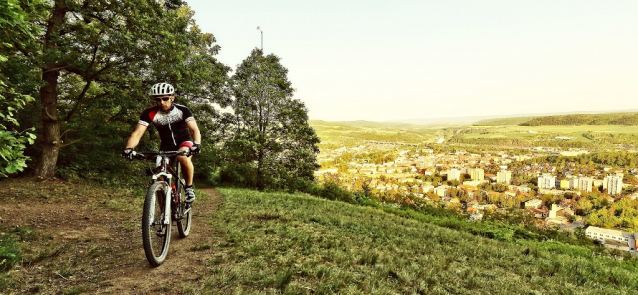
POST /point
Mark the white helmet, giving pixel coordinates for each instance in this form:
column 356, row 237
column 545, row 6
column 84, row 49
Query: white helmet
column 162, row 89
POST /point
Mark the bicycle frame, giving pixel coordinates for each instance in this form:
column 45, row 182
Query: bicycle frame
column 165, row 172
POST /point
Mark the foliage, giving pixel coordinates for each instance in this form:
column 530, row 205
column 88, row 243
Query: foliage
column 92, row 65
column 332, row 191
column 272, row 145
column 13, row 28
column 625, row 159
column 586, row 119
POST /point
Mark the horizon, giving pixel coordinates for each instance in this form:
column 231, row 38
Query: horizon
column 383, row 61
column 474, row 119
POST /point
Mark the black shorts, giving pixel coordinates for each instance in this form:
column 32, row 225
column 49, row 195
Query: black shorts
column 172, row 147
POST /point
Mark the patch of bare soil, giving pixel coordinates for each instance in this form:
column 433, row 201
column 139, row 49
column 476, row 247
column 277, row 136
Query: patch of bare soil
column 93, row 244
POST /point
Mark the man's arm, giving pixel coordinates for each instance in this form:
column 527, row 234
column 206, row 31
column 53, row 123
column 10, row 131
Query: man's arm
column 137, row 134
column 197, row 137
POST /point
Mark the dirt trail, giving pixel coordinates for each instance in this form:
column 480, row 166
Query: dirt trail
column 92, row 246
column 183, row 268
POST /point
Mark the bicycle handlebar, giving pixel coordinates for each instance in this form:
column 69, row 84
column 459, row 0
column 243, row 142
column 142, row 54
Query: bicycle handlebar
column 144, row 155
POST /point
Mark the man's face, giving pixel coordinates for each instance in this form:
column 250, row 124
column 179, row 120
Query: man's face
column 164, row 102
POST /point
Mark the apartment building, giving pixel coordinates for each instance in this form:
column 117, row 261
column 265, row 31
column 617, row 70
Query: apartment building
column 546, row 181
column 585, row 184
column 454, row 174
column 614, row 184
column 504, row 176
column 477, row 174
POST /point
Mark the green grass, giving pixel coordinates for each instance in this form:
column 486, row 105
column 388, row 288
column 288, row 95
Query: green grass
column 277, row 243
column 10, row 252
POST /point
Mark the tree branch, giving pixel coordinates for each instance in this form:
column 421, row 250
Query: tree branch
column 56, row 68
column 70, row 143
column 110, row 119
column 46, row 112
column 79, row 102
column 65, row 132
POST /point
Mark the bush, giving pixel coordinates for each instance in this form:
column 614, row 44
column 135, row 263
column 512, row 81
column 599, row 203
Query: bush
column 305, row 186
column 332, row 191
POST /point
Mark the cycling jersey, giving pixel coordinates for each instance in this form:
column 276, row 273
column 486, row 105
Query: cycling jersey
column 170, row 125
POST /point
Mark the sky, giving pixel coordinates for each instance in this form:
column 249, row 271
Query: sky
column 380, row 60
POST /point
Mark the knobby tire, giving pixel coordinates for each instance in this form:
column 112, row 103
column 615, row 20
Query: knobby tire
column 156, row 235
column 185, row 210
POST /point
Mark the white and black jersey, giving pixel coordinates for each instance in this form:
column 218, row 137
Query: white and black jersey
column 171, row 125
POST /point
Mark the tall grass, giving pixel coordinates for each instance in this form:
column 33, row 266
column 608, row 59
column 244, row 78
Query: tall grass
column 278, row 243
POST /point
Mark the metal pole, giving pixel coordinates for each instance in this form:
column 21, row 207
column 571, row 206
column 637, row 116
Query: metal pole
column 262, row 39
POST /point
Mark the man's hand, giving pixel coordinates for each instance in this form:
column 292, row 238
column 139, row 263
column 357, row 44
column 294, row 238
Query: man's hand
column 196, row 148
column 128, row 153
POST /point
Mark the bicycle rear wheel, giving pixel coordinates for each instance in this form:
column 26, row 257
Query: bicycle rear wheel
column 185, row 211
column 184, row 225
column 156, row 234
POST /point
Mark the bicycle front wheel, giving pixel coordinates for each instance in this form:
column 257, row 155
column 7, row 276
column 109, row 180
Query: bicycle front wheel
column 156, row 226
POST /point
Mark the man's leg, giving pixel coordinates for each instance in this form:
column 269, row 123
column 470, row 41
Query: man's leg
column 187, row 167
column 188, row 170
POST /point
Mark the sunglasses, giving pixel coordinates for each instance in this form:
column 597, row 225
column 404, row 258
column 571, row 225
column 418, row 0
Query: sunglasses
column 164, row 98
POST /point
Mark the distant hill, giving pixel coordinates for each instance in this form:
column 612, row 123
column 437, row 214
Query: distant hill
column 612, row 118
column 365, row 124
column 356, row 131
column 628, row 119
column 503, row 121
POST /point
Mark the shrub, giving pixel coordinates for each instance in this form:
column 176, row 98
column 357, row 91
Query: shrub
column 332, row 191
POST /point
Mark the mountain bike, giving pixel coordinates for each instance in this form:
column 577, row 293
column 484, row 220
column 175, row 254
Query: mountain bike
column 164, row 203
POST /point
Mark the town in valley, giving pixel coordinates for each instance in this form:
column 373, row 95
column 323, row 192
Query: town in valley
column 557, row 187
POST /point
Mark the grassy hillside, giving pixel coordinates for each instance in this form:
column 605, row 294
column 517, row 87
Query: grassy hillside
column 297, row 244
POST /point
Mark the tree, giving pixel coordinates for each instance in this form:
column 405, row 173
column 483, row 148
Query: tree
column 14, row 28
column 95, row 60
column 273, row 145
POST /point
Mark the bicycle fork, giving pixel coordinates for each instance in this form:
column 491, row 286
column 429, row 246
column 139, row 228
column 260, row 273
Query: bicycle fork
column 167, row 197
column 167, row 205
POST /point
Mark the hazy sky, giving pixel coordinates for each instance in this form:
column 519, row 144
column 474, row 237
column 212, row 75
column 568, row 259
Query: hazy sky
column 393, row 60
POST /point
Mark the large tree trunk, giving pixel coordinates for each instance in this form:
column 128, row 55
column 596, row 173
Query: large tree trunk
column 50, row 137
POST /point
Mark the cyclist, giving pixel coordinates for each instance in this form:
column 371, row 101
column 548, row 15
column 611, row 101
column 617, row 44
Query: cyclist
column 175, row 123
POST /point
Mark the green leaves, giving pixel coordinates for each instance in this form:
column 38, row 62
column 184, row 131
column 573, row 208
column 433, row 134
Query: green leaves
column 101, row 57
column 12, row 144
column 273, row 146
